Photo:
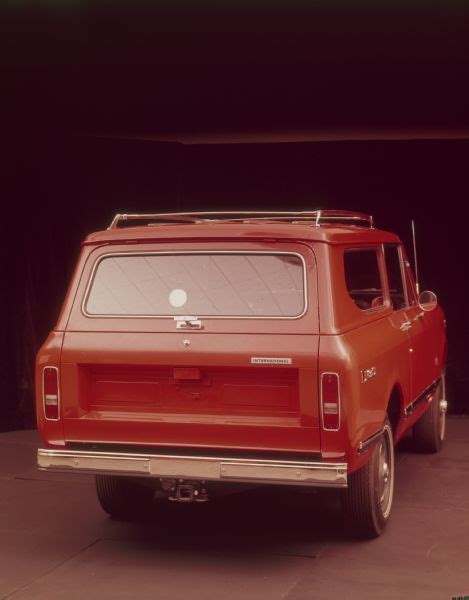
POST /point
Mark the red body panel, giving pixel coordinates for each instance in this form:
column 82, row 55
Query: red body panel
column 123, row 389
column 140, row 381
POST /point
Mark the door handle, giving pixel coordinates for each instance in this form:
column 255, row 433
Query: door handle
column 406, row 325
column 188, row 323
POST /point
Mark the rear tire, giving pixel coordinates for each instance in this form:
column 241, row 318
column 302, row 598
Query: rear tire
column 123, row 498
column 368, row 499
column 429, row 431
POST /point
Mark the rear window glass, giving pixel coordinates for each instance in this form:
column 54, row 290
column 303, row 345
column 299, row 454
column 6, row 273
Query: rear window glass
column 363, row 279
column 202, row 284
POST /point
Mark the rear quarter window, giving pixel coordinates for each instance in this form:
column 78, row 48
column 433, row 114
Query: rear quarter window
column 363, row 277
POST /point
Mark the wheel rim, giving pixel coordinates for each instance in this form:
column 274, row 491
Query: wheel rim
column 442, row 424
column 385, row 473
column 442, row 407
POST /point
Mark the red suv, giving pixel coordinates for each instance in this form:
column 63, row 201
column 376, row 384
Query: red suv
column 197, row 349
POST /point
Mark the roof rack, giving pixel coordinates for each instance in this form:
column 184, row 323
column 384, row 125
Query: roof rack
column 317, row 217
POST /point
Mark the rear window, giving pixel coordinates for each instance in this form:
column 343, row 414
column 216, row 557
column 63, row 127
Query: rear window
column 200, row 284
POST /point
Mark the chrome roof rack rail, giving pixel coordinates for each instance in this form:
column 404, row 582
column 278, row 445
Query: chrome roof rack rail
column 318, row 217
column 170, row 217
column 344, row 217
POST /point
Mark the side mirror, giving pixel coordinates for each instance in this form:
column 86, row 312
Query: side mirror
column 427, row 301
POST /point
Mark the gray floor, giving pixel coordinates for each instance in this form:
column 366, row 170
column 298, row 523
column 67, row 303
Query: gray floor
column 55, row 542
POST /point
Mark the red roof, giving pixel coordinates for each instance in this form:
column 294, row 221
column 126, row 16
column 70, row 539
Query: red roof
column 332, row 234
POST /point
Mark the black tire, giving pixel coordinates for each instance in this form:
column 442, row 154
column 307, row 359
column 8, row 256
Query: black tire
column 123, row 498
column 429, row 431
column 367, row 501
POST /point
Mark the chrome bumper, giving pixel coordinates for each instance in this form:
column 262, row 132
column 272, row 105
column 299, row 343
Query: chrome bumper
column 285, row 472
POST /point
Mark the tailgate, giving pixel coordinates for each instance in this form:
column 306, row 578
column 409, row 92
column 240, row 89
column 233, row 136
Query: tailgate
column 157, row 395
column 242, row 378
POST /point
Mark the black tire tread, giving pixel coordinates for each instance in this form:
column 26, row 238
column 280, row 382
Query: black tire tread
column 122, row 498
column 425, row 431
column 359, row 501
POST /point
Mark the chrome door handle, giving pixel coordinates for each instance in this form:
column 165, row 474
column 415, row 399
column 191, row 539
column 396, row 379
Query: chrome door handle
column 405, row 326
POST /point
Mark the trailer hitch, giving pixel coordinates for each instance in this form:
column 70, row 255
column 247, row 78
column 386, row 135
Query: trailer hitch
column 188, row 491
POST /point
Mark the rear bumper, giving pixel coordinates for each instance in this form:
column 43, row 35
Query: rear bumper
column 284, row 472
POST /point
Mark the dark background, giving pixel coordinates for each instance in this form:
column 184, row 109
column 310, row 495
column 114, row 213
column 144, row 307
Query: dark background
column 111, row 107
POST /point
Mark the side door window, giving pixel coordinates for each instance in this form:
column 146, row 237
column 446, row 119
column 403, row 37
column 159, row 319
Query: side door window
column 394, row 268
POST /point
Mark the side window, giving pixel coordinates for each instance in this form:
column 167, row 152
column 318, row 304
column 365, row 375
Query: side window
column 363, row 278
column 394, row 271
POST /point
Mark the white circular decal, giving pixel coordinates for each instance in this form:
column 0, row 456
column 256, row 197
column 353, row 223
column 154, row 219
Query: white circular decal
column 178, row 298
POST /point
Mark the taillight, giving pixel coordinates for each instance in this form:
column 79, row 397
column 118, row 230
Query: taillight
column 330, row 401
column 51, row 393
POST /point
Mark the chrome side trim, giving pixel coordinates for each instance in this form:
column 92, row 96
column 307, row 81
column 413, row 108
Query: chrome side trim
column 316, row 474
column 366, row 444
column 190, row 252
column 425, row 395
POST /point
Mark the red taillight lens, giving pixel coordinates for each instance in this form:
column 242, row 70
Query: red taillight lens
column 51, row 393
column 330, row 401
